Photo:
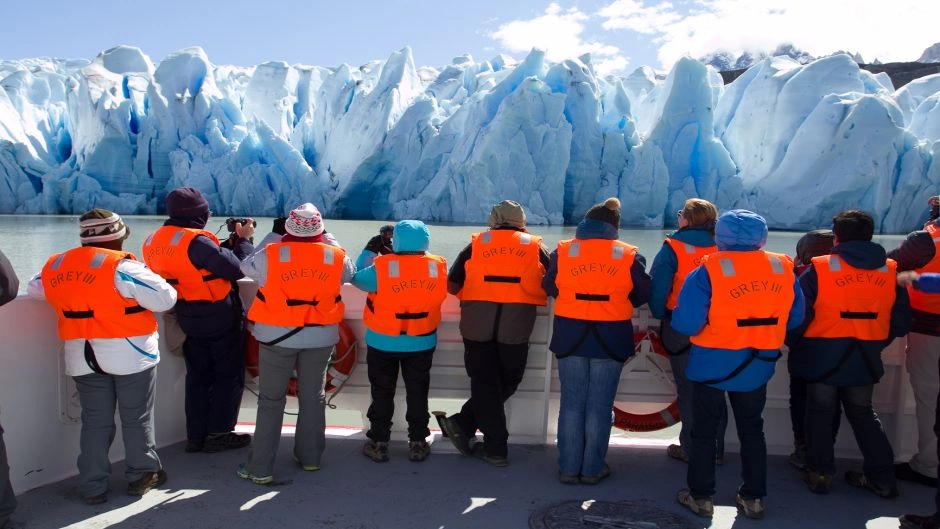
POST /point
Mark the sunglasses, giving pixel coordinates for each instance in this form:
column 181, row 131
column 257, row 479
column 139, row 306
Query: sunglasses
column 679, row 213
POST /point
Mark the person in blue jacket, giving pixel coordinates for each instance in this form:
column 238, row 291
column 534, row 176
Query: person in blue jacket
column 696, row 234
column 388, row 353
column 741, row 373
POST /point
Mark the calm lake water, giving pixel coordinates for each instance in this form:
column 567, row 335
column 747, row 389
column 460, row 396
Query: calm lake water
column 28, row 240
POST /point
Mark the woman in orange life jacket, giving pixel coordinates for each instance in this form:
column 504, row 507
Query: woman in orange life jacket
column 854, row 309
column 403, row 309
column 9, row 285
column 928, row 282
column 295, row 318
column 596, row 281
column 105, row 299
column 736, row 308
column 811, row 244
column 682, row 252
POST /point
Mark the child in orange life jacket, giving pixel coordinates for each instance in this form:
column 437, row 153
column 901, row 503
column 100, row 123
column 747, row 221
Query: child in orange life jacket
column 105, row 300
column 403, row 310
column 295, row 318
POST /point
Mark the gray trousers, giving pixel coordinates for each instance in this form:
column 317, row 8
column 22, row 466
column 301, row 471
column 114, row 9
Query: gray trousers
column 277, row 366
column 7, row 499
column 132, row 395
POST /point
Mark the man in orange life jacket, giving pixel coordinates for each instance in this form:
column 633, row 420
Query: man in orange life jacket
column 736, row 307
column 498, row 280
column 210, row 314
column 295, row 318
column 104, row 300
column 406, row 289
column 9, row 285
column 854, row 309
column 920, row 252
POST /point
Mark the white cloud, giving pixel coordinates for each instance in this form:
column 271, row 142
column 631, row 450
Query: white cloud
column 898, row 31
column 559, row 32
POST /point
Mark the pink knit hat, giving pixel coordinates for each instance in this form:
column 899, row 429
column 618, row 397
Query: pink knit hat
column 304, row 221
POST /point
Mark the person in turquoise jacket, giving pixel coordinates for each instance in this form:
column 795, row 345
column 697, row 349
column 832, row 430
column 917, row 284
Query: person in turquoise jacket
column 389, row 353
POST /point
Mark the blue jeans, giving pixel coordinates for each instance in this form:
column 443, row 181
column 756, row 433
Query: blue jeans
column 748, row 408
column 588, row 388
column 822, row 405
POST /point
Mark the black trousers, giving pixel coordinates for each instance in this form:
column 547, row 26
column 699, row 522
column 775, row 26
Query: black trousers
column 383, row 378
column 495, row 370
column 215, row 379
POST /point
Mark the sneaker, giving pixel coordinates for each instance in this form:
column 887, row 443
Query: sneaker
column 569, row 479
column 146, row 482
column 453, row 432
column 243, row 473
column 594, row 480
column 751, row 508
column 818, row 482
column 96, row 500
column 308, row 468
column 376, row 450
column 914, row 521
column 703, row 507
column 860, row 480
column 676, row 452
column 418, row 450
column 226, row 441
column 193, row 446
column 904, row 472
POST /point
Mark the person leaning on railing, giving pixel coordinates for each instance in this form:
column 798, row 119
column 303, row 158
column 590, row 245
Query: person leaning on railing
column 9, row 285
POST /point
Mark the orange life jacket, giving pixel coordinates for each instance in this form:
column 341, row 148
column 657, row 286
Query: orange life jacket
column 79, row 284
column 688, row 257
column 166, row 253
column 594, row 279
column 411, row 289
column 920, row 300
column 302, row 287
column 852, row 303
column 504, row 267
column 752, row 293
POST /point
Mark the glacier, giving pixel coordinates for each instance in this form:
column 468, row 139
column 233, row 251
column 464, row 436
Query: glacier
column 390, row 140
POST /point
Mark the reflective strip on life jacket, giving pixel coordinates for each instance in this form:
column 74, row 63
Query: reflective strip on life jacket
column 79, row 284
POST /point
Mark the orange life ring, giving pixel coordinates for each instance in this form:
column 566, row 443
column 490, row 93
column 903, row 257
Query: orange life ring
column 647, row 422
column 341, row 363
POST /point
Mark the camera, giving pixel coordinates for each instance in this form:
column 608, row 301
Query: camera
column 231, row 222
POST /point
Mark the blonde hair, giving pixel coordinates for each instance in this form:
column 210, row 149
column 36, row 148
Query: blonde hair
column 700, row 212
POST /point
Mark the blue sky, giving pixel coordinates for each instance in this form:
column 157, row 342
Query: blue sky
column 621, row 35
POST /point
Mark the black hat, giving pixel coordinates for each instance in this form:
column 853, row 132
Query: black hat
column 607, row 211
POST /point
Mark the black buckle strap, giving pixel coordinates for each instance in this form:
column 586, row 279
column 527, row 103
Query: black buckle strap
column 78, row 314
column 210, row 277
column 299, row 302
column 757, row 322
column 173, row 281
column 411, row 315
column 850, row 315
column 591, row 297
column 502, row 279
column 91, row 360
column 136, row 309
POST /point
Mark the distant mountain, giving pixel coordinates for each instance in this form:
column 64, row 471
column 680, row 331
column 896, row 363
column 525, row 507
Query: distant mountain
column 931, row 54
column 724, row 61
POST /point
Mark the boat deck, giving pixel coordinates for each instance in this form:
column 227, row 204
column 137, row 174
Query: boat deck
column 445, row 492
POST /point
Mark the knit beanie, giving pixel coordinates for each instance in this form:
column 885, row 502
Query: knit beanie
column 101, row 225
column 506, row 213
column 607, row 211
column 187, row 202
column 304, row 221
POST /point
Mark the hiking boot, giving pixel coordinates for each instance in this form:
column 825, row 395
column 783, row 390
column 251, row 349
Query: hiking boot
column 913, row 521
column 904, row 472
column 453, row 432
column 497, row 461
column 860, row 480
column 226, row 441
column 676, row 452
column 569, row 479
column 243, row 473
column 703, row 507
column 594, row 480
column 193, row 446
column 751, row 508
column 146, row 482
column 376, row 450
column 96, row 500
column 818, row 483
column 418, row 450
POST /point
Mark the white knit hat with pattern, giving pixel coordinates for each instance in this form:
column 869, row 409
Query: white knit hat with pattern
column 304, row 221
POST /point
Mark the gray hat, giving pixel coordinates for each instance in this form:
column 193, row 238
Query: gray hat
column 507, row 213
